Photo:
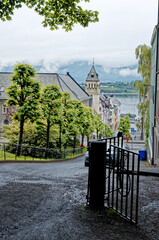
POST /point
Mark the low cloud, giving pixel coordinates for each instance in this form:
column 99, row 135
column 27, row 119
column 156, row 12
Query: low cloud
column 128, row 72
column 48, row 67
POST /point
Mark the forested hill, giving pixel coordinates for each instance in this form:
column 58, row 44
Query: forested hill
column 116, row 87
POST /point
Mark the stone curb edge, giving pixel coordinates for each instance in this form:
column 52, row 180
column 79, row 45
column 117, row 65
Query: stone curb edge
column 42, row 161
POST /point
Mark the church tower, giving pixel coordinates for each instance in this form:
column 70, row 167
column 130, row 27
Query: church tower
column 93, row 88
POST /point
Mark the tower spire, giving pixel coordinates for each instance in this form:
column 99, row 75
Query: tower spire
column 93, row 61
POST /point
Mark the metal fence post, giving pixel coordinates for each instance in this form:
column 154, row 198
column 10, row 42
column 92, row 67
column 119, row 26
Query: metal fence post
column 97, row 156
column 4, row 148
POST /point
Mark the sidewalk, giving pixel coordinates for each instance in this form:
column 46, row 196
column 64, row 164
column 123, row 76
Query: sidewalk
column 145, row 167
column 136, row 146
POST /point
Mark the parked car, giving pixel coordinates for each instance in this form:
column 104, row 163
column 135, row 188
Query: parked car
column 112, row 162
column 86, row 160
column 112, row 159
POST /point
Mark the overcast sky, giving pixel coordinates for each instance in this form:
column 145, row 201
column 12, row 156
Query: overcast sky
column 122, row 26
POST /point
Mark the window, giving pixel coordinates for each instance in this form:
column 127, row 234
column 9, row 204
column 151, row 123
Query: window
column 4, row 109
column 152, row 93
column 2, row 89
column 92, row 75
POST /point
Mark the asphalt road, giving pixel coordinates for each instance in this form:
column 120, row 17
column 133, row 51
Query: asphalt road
column 47, row 202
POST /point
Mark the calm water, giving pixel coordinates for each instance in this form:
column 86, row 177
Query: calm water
column 128, row 104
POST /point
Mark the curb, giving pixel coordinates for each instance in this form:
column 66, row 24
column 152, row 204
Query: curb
column 150, row 174
column 136, row 142
column 42, row 161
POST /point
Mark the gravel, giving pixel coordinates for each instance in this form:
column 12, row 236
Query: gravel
column 48, row 202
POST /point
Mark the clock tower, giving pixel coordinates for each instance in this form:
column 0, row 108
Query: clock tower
column 92, row 87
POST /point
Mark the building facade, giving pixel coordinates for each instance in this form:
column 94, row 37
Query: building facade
column 153, row 132
column 154, row 99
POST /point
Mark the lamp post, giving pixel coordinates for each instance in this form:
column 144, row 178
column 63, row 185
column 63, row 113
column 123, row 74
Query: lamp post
column 60, row 136
column 142, row 132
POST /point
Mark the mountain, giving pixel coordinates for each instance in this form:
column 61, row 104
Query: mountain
column 80, row 69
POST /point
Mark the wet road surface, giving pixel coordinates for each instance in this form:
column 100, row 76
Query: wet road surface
column 48, row 202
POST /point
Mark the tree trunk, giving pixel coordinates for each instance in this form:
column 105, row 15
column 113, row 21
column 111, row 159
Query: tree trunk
column 82, row 140
column 47, row 139
column 142, row 128
column 74, row 144
column 48, row 134
column 97, row 133
column 60, row 135
column 20, row 135
column 87, row 140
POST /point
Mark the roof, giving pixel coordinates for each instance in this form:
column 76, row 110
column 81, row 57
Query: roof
column 64, row 81
column 92, row 76
column 154, row 35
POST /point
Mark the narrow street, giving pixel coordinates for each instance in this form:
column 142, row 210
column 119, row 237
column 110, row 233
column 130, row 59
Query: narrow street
column 48, row 202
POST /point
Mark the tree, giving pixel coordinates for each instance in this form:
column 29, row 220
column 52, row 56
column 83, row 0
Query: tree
column 63, row 118
column 55, row 12
column 72, row 116
column 50, row 105
column 90, row 126
column 33, row 135
column 24, row 93
column 85, row 122
column 143, row 54
column 124, row 126
column 98, row 124
column 107, row 131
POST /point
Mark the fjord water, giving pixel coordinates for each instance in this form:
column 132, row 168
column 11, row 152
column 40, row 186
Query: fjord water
column 128, row 104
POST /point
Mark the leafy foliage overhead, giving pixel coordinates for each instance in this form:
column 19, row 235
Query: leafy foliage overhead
column 65, row 13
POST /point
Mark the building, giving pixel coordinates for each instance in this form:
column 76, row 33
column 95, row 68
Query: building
column 153, row 141
column 153, row 148
column 92, row 88
column 64, row 81
column 116, row 104
column 108, row 108
column 103, row 109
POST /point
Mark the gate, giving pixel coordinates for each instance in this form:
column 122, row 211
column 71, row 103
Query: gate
column 121, row 177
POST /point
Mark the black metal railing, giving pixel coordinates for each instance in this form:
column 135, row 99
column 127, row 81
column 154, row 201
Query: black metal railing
column 8, row 151
column 121, row 181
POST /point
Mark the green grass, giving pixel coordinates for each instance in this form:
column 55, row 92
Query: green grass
column 11, row 156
